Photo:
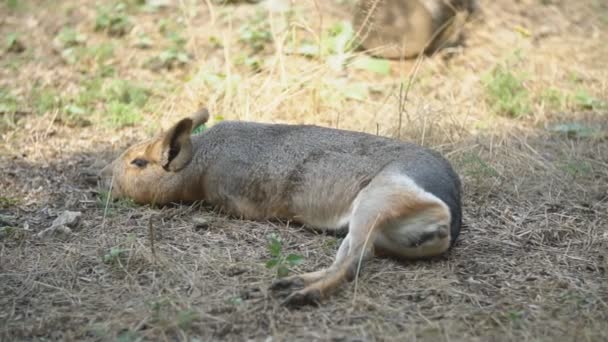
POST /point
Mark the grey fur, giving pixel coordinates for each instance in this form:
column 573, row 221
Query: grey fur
column 295, row 168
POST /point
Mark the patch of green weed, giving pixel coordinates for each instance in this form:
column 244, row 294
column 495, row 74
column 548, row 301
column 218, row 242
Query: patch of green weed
column 279, row 261
column 13, row 44
column 7, row 202
column 69, row 37
column 256, row 33
column 169, row 315
column 584, row 100
column 12, row 233
column 12, row 4
column 576, row 168
column 173, row 56
column 472, row 165
column 8, row 102
column 44, row 99
column 122, row 114
column 103, row 200
column 128, row 336
column 124, row 103
column 113, row 20
column 505, row 93
column 554, row 99
column 126, row 92
column 115, row 255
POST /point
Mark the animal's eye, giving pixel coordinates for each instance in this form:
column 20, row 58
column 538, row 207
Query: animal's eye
column 139, row 162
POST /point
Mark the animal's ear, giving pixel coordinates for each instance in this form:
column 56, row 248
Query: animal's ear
column 176, row 146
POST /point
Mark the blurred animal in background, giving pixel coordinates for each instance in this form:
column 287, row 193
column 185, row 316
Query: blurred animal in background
column 406, row 28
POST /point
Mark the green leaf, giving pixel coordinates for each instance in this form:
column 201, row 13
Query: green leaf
column 186, row 317
column 274, row 246
column 11, row 40
column 272, row 263
column 282, row 271
column 586, row 101
column 341, row 35
column 377, row 65
column 199, row 129
column 74, row 110
column 294, row 259
column 113, row 254
column 356, row 91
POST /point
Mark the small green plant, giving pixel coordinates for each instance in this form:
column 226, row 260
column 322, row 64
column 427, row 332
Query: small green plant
column 7, row 202
column 101, row 53
column 143, row 41
column 103, row 200
column 85, row 101
column 69, row 37
column 124, row 101
column 115, row 255
column 128, row 336
column 200, row 129
column 506, row 93
column 12, row 4
column 476, row 167
column 13, row 44
column 174, row 55
column 282, row 263
column 10, row 233
column 186, row 317
column 126, row 92
column 576, row 168
column 168, row 314
column 8, row 103
column 8, row 110
column 113, row 20
column 256, row 33
column 554, row 99
column 122, row 114
column 584, row 100
column 45, row 99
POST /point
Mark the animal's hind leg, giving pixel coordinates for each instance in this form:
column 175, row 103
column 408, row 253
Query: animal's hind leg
column 355, row 248
column 391, row 206
column 302, row 280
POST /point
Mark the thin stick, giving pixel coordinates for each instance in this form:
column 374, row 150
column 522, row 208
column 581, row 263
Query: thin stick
column 151, row 236
column 369, row 234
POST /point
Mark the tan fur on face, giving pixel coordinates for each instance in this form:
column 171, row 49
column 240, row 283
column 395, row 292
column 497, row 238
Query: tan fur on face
column 158, row 182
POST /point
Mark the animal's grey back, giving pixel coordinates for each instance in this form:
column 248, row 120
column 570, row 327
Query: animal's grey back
column 294, row 157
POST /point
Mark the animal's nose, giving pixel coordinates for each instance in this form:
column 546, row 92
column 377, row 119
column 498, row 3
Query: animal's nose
column 106, row 172
column 104, row 177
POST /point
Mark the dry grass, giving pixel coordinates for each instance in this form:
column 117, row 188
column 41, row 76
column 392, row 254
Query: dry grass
column 532, row 259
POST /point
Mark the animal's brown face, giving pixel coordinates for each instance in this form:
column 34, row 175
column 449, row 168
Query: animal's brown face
column 153, row 171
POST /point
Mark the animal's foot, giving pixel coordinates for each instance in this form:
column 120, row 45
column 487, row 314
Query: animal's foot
column 307, row 296
column 288, row 283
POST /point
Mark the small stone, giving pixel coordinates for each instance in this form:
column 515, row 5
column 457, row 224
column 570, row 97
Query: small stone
column 200, row 223
column 68, row 218
column 59, row 231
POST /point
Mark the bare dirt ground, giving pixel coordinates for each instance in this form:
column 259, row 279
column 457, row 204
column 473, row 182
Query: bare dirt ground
column 519, row 107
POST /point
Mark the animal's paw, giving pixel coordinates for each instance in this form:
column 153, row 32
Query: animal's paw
column 306, row 296
column 288, row 283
